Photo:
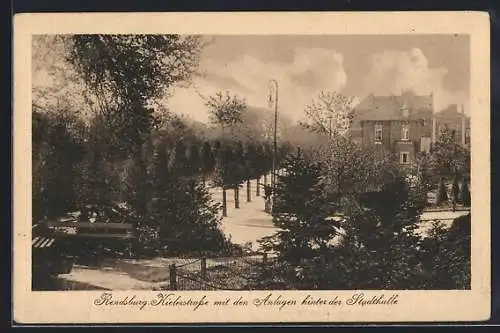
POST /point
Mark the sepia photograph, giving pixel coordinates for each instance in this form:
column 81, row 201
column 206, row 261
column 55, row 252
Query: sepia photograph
column 179, row 162
column 172, row 162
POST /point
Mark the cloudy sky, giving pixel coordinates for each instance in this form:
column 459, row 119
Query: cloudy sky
column 305, row 65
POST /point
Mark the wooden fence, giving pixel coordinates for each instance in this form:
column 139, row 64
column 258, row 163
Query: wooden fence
column 234, row 273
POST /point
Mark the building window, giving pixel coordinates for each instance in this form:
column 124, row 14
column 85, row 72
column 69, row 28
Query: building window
column 378, row 133
column 346, row 123
column 406, row 111
column 405, row 132
column 404, row 158
column 467, row 135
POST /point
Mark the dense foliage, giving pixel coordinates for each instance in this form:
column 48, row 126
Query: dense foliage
column 368, row 239
column 129, row 152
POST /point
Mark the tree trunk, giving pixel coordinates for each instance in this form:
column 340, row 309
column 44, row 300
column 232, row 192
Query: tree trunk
column 265, row 179
column 249, row 191
column 257, row 187
column 267, row 205
column 224, row 202
column 237, row 196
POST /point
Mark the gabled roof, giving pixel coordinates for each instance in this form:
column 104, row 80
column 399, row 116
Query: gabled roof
column 391, row 107
column 451, row 111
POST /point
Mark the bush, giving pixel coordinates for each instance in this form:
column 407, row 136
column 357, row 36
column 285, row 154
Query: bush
column 378, row 248
column 446, row 256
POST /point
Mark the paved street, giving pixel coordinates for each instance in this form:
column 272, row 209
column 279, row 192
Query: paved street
column 248, row 223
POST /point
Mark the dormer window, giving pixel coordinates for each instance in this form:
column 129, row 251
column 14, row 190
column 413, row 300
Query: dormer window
column 405, row 132
column 378, row 133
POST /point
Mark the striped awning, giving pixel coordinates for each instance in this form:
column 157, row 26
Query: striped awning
column 42, row 242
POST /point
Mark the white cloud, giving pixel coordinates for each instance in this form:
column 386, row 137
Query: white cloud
column 396, row 71
column 299, row 81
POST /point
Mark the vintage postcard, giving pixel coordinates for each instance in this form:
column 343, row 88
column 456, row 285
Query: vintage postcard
column 251, row 167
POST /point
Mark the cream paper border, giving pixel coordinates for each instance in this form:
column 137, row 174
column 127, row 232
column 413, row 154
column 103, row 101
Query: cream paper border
column 77, row 306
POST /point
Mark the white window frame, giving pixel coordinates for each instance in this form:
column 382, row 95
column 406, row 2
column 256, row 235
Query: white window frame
column 378, row 129
column 346, row 123
column 403, row 153
column 406, row 111
column 405, row 132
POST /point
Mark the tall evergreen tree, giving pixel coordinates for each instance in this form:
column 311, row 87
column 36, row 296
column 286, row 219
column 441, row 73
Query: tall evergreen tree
column 186, row 216
column 237, row 171
column 251, row 167
column 57, row 149
column 223, row 172
column 259, row 166
column 179, row 163
column 207, row 160
column 378, row 248
column 197, row 219
column 194, row 160
column 442, row 195
column 465, row 193
column 300, row 211
column 455, row 191
column 137, row 187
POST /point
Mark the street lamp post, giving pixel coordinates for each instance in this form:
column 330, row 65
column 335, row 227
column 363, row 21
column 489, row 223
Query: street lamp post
column 275, row 146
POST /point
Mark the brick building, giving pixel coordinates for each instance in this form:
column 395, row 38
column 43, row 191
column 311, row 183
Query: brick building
column 453, row 118
column 405, row 124
column 399, row 124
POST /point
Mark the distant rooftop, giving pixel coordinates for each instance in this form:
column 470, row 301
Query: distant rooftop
column 452, row 110
column 376, row 107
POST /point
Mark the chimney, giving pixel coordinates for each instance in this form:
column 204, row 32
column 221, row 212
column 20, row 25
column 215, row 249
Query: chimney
column 463, row 123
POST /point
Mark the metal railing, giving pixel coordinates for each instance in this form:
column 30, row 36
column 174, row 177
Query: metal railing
column 232, row 273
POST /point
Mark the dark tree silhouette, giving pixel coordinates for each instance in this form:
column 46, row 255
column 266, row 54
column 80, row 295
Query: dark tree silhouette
column 465, row 193
column 442, row 195
column 455, row 192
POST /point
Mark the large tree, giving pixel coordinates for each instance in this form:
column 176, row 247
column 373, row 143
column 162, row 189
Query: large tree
column 58, row 146
column 448, row 157
column 380, row 249
column 194, row 160
column 330, row 113
column 207, row 160
column 465, row 193
column 301, row 209
column 237, row 166
column 350, row 170
column 226, row 110
column 129, row 73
